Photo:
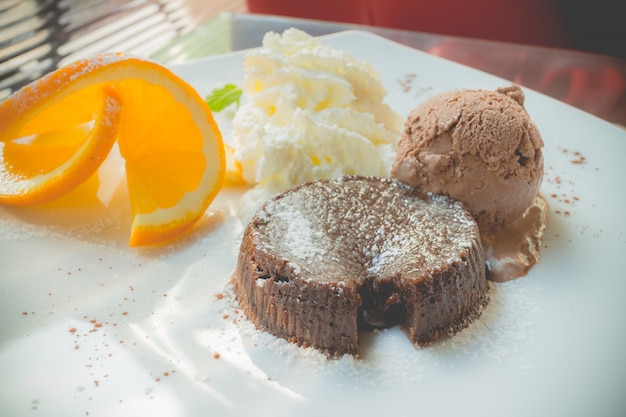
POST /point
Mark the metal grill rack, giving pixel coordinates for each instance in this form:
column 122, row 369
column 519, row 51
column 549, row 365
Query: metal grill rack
column 37, row 36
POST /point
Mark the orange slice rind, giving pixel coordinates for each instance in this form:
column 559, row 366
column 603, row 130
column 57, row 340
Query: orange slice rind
column 38, row 166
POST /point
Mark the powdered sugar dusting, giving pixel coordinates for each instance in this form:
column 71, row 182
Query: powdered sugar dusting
column 352, row 223
column 51, row 84
column 101, row 230
column 301, row 236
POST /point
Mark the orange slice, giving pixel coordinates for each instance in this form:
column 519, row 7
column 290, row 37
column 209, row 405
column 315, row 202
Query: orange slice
column 234, row 174
column 46, row 151
column 173, row 150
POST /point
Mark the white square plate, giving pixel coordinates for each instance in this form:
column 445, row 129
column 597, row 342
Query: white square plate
column 92, row 327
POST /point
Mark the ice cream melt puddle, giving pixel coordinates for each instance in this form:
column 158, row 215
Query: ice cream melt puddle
column 512, row 250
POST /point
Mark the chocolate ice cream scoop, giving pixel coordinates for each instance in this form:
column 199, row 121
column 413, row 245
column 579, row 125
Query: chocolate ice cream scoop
column 479, row 147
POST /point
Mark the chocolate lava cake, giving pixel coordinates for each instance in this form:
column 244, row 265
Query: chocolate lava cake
column 326, row 259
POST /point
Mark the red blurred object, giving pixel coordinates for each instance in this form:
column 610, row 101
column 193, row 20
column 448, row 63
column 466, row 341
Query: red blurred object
column 537, row 22
column 594, row 83
column 350, row 11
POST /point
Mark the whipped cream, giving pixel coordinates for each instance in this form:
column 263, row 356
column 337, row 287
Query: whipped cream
column 311, row 112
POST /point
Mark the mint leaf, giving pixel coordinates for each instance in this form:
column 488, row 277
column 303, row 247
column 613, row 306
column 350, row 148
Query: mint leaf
column 220, row 98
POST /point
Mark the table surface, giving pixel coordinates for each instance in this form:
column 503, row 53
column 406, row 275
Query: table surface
column 591, row 82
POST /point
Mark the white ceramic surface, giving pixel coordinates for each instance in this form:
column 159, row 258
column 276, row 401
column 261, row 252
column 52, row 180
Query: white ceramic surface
column 90, row 327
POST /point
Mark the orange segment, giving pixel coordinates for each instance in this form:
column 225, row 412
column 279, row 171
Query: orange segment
column 233, row 175
column 173, row 150
column 40, row 162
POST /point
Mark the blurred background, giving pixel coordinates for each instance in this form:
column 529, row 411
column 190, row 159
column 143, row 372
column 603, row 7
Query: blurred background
column 36, row 36
column 591, row 25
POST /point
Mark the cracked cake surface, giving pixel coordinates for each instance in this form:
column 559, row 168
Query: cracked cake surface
column 326, row 259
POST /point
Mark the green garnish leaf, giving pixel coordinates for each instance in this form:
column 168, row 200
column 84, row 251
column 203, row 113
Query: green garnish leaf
column 222, row 97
